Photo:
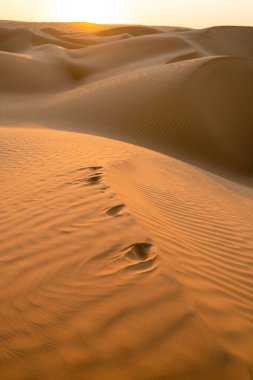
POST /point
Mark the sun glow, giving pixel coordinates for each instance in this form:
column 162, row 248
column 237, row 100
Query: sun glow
column 104, row 12
column 190, row 13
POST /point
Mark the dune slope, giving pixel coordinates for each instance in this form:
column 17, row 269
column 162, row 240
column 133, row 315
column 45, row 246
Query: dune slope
column 85, row 291
column 202, row 226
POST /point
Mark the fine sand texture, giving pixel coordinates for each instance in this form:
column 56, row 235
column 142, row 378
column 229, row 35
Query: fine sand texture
column 126, row 208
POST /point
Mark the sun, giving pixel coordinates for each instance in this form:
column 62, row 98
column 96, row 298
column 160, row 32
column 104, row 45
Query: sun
column 98, row 11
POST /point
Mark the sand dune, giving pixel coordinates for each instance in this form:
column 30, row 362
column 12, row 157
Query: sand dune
column 93, row 294
column 217, row 40
column 170, row 92
column 19, row 40
column 132, row 30
column 125, row 250
column 193, row 112
column 192, row 109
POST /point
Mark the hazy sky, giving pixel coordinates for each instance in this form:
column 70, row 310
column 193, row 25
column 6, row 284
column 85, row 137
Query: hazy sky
column 192, row 13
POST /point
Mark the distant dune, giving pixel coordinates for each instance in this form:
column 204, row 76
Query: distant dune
column 126, row 165
column 134, row 31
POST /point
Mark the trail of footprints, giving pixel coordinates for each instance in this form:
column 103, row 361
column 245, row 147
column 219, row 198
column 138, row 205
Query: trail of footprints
column 141, row 256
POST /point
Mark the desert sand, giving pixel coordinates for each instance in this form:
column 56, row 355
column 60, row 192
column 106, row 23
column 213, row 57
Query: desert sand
column 126, row 230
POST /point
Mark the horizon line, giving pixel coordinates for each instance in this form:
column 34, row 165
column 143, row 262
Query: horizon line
column 120, row 24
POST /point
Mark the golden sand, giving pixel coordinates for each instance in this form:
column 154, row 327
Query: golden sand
column 126, row 239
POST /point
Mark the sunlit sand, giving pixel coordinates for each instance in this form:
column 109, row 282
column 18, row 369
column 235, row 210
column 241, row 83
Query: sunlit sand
column 126, row 230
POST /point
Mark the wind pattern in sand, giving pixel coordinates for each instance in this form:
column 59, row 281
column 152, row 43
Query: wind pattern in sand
column 126, row 239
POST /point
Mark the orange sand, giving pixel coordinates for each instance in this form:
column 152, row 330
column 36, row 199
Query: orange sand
column 126, row 249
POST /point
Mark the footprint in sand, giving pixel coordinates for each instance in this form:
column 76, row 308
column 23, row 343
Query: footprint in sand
column 116, row 210
column 141, row 257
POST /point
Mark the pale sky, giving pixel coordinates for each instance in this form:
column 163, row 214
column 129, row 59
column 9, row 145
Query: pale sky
column 191, row 13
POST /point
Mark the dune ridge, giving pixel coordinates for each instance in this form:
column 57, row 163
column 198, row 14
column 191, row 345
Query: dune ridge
column 126, row 246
